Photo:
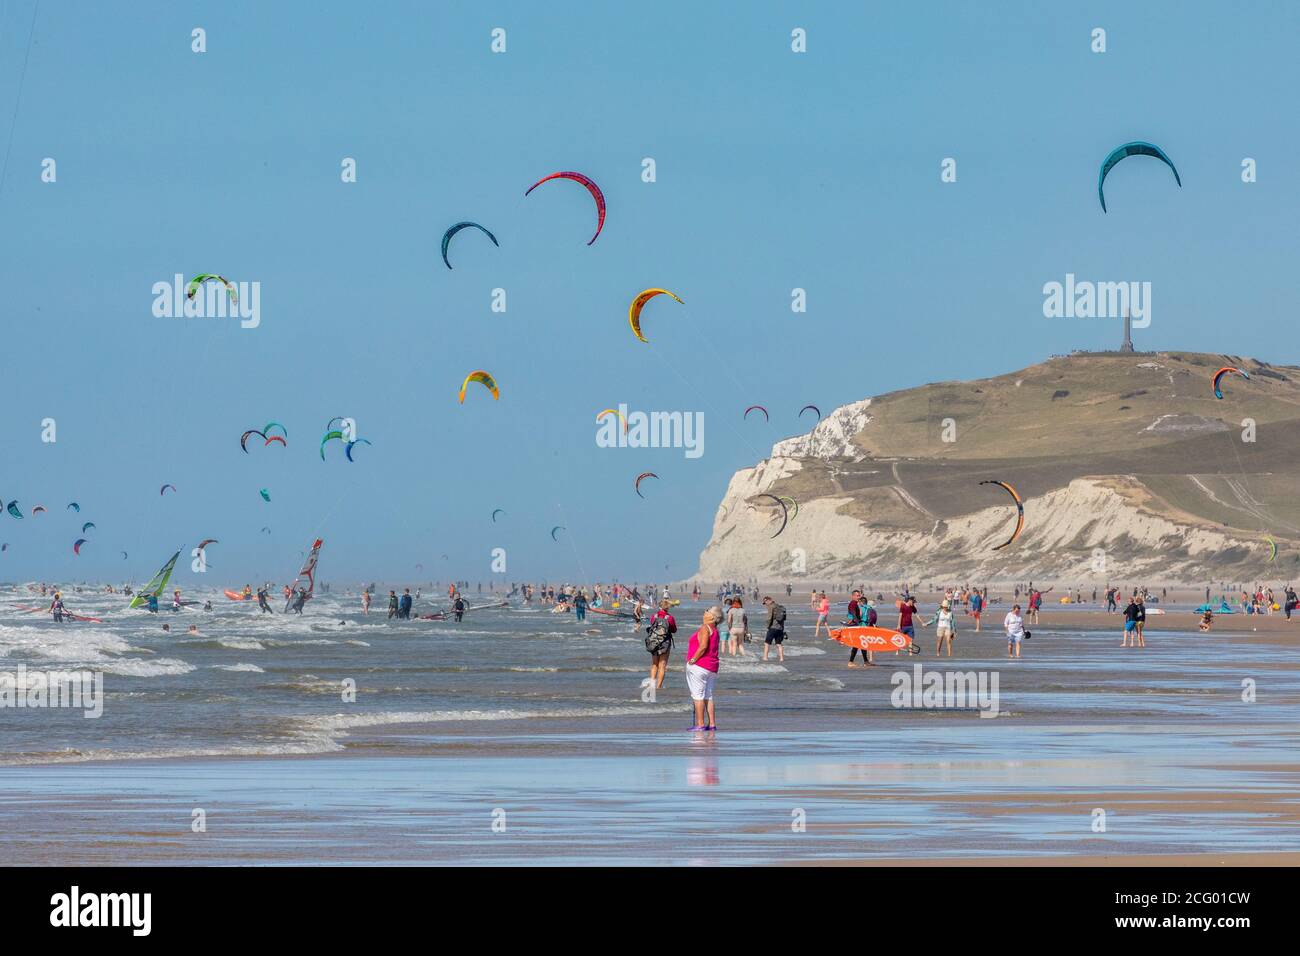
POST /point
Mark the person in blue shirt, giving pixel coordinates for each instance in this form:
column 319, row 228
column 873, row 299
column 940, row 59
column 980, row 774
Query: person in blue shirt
column 976, row 607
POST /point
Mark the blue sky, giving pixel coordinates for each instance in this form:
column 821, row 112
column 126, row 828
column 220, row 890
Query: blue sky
column 775, row 171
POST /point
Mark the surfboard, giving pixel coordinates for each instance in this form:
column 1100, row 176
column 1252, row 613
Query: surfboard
column 238, row 596
column 879, row 639
column 626, row 615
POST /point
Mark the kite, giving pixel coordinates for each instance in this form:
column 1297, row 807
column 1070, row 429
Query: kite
column 1020, row 512
column 419, row 567
column 495, row 512
column 269, row 425
column 123, row 555
column 197, row 281
column 207, row 541
column 785, row 513
column 553, row 530
column 1218, row 376
column 446, row 237
column 330, row 436
column 488, row 382
column 266, row 495
column 275, row 438
column 74, row 506
column 1272, row 549
column 13, row 509
column 814, row 408
column 592, row 188
column 347, row 449
column 634, row 310
column 637, row 486
column 761, row 409
column 243, row 439
column 76, row 546
column 265, row 530
column 165, row 487
column 1132, row 149
column 5, row 546
column 793, row 503
column 611, row 411
column 87, row 526
column 37, row 510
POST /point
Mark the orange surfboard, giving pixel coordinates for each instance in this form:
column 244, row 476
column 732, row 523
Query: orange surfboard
column 878, row 639
column 238, row 595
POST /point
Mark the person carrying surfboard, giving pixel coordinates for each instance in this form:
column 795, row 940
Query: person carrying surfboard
column 855, row 620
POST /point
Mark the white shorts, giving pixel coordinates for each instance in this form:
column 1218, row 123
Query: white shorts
column 700, row 682
column 944, row 632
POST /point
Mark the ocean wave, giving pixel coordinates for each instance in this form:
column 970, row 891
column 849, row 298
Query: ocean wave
column 339, row 723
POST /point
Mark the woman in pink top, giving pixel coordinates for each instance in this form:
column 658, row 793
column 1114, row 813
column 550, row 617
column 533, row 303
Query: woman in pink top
column 702, row 668
column 823, row 616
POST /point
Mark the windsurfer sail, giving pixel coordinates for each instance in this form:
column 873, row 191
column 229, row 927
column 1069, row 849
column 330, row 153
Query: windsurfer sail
column 309, row 572
column 156, row 584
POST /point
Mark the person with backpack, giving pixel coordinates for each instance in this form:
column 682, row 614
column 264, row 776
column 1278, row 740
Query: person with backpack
column 775, row 629
column 659, row 642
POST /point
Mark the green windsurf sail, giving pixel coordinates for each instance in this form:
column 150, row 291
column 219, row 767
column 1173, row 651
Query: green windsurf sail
column 156, row 584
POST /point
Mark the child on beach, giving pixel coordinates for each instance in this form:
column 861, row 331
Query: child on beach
column 823, row 616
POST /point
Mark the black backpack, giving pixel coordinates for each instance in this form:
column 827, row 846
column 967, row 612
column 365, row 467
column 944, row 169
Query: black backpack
column 778, row 617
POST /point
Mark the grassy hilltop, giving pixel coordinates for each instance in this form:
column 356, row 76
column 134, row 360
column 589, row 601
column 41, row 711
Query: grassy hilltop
column 1129, row 453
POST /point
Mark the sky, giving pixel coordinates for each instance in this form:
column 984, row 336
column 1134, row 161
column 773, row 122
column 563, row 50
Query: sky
column 775, row 170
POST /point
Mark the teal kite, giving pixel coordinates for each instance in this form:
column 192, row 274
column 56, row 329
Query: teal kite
column 1132, row 149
